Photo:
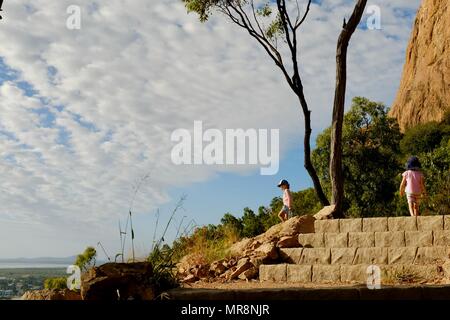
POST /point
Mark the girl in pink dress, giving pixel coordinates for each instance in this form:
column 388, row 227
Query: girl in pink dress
column 414, row 184
column 285, row 212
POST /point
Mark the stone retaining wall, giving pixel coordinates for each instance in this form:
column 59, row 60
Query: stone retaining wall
column 341, row 250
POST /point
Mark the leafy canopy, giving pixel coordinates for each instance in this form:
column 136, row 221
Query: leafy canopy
column 370, row 158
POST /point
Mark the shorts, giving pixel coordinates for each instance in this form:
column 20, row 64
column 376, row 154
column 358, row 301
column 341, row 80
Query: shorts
column 286, row 210
column 413, row 198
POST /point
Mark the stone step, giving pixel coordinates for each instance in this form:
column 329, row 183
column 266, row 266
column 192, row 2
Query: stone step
column 383, row 224
column 366, row 255
column 375, row 239
column 317, row 273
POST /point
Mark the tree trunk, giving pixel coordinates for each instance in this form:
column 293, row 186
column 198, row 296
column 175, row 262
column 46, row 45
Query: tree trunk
column 307, row 148
column 336, row 174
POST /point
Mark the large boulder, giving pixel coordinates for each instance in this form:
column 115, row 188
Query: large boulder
column 240, row 246
column 53, row 294
column 424, row 94
column 291, row 227
column 119, row 281
column 325, row 213
column 297, row 225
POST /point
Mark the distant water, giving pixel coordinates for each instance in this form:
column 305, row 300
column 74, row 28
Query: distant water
column 8, row 265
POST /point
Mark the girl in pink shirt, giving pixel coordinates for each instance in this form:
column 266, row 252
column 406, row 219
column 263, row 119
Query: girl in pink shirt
column 285, row 212
column 414, row 184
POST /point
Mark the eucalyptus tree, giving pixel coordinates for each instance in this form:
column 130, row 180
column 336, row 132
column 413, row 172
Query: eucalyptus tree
column 274, row 25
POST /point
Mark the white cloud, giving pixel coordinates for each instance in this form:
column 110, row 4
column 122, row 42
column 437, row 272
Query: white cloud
column 137, row 71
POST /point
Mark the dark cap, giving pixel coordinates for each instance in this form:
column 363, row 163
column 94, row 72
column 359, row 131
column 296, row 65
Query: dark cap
column 283, row 183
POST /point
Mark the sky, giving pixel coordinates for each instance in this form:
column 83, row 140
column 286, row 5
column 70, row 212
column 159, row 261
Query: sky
column 86, row 114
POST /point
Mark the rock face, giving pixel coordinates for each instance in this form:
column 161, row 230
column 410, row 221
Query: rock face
column 424, row 93
column 45, row 294
column 119, row 281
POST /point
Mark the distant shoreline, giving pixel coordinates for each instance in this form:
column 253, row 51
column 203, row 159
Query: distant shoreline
column 30, row 265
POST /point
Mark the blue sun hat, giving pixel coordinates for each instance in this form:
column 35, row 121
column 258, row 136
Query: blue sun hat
column 413, row 163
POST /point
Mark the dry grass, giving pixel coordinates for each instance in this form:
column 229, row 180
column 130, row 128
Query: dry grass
column 402, row 276
column 204, row 251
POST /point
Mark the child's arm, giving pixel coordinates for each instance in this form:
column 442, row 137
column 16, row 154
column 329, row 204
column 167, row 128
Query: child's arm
column 289, row 198
column 402, row 187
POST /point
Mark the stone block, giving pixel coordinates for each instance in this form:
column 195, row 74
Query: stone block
column 273, row 272
column 430, row 255
column 326, row 226
column 446, row 222
column 419, row 238
column 326, row 273
column 390, row 239
column 291, row 255
column 354, row 273
column 441, row 238
column 350, row 225
column 361, row 239
column 299, row 273
column 315, row 256
column 342, row 255
column 375, row 224
column 311, row 240
column 371, row 256
column 336, row 240
column 402, row 224
column 405, row 255
column 430, row 223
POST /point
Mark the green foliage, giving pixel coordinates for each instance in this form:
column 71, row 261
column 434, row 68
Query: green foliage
column 164, row 266
column 86, row 260
column 272, row 26
column 446, row 119
column 424, row 138
column 370, row 143
column 275, row 28
column 231, row 221
column 202, row 7
column 55, row 283
column 436, row 167
column 251, row 224
column 431, row 143
column 265, row 11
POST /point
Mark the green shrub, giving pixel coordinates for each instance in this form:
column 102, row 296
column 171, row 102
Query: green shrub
column 55, row 283
column 423, row 138
column 86, row 260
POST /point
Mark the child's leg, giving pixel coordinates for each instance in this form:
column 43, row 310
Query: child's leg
column 281, row 215
column 416, row 209
column 411, row 208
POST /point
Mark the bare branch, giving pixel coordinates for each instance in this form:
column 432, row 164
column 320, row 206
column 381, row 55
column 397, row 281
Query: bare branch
column 270, row 49
column 298, row 12
column 298, row 24
column 256, row 19
column 282, row 10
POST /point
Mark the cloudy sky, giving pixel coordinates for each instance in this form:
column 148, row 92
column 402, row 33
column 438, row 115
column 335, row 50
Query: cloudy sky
column 86, row 114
